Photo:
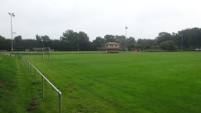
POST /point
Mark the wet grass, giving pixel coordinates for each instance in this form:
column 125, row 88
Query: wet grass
column 126, row 83
column 16, row 91
column 121, row 83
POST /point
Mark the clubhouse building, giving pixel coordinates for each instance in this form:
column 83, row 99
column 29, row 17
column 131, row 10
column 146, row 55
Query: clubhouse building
column 112, row 47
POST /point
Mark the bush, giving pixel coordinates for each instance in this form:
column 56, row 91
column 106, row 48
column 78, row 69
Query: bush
column 168, row 45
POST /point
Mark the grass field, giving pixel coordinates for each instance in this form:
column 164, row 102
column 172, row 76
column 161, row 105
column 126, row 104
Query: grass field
column 16, row 91
column 105, row 83
column 124, row 83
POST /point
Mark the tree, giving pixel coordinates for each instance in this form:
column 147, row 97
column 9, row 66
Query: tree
column 145, row 43
column 57, row 45
column 109, row 38
column 71, row 39
column 122, row 40
column 29, row 44
column 43, row 41
column 98, row 43
column 163, row 36
column 187, row 39
column 18, row 43
column 4, row 43
column 190, row 38
column 2, row 38
column 83, row 42
column 140, row 43
column 39, row 41
column 168, row 45
column 131, row 42
column 46, row 40
column 38, row 38
column 75, row 41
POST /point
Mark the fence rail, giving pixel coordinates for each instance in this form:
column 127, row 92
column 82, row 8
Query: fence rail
column 29, row 66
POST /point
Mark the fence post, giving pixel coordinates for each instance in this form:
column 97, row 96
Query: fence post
column 28, row 66
column 42, row 54
column 35, row 76
column 42, row 86
column 59, row 102
column 49, row 56
column 30, row 69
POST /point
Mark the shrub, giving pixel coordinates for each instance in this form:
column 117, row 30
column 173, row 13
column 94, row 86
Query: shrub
column 168, row 45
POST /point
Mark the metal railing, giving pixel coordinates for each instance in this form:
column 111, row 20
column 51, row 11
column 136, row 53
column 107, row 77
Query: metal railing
column 29, row 65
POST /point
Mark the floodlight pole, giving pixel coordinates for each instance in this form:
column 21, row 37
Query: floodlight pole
column 14, row 40
column 78, row 46
column 11, row 15
column 126, row 37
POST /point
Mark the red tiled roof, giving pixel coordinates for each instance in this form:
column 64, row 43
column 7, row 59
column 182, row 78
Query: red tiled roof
column 111, row 43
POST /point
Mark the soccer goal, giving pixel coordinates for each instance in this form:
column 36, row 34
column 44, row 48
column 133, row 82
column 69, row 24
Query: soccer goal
column 43, row 51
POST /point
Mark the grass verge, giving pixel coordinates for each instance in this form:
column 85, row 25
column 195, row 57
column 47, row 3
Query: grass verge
column 16, row 90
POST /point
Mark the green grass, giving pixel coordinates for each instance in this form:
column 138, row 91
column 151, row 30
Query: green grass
column 104, row 83
column 124, row 83
column 16, row 91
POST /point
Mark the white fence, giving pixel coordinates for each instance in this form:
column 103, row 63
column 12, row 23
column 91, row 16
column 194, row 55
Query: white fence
column 30, row 66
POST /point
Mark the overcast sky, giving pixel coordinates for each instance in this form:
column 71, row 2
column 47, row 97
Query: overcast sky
column 144, row 18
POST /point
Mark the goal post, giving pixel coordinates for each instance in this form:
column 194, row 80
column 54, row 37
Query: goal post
column 43, row 51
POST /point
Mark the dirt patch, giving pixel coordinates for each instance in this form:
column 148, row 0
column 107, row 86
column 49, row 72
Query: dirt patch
column 35, row 98
column 80, row 108
column 70, row 86
column 31, row 109
column 2, row 84
column 34, row 104
column 39, row 89
column 33, row 83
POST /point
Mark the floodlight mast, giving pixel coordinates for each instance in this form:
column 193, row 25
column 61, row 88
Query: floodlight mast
column 14, row 40
column 78, row 44
column 126, row 37
column 11, row 15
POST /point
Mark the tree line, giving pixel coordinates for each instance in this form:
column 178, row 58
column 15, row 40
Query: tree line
column 187, row 39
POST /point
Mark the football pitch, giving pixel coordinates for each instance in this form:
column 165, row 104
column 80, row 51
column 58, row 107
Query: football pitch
column 166, row 82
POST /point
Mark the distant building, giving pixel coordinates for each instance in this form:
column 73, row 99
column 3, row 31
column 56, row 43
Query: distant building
column 112, row 47
column 197, row 49
column 136, row 50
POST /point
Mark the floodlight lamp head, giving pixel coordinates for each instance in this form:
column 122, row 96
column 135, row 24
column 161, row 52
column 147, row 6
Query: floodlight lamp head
column 11, row 14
